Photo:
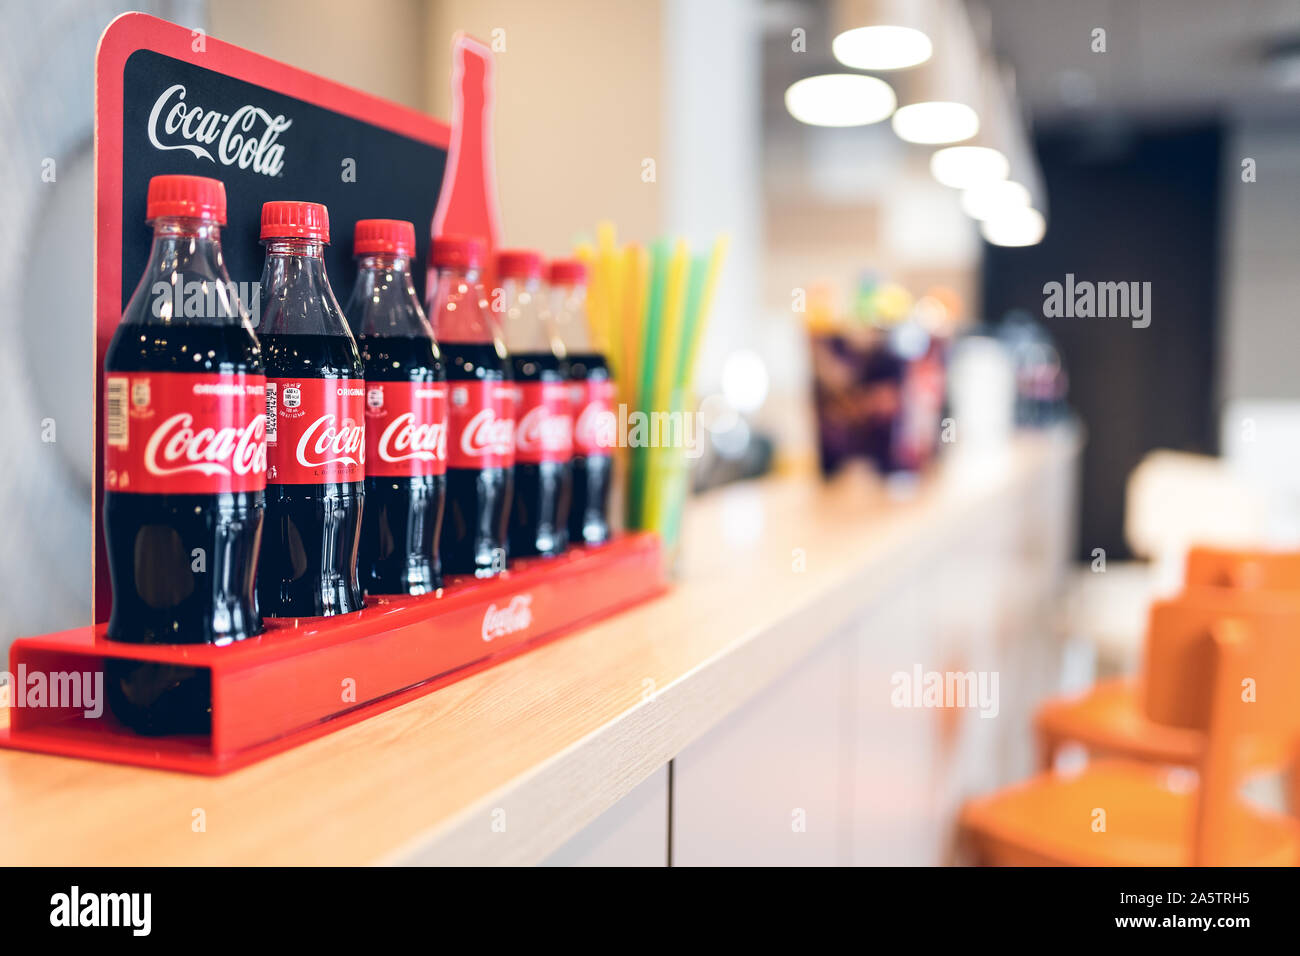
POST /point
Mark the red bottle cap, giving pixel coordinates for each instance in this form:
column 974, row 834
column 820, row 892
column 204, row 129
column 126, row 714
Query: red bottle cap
column 568, row 272
column 456, row 252
column 295, row 220
column 519, row 264
column 191, row 197
column 373, row 237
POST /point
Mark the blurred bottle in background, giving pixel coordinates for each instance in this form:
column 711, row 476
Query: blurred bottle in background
column 539, row 510
column 878, row 378
column 591, row 403
column 315, row 424
column 1041, row 381
column 480, row 426
column 406, row 415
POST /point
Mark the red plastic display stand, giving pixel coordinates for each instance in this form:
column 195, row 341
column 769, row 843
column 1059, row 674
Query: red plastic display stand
column 308, row 677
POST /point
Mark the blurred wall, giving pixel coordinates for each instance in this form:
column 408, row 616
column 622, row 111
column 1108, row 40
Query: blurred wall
column 376, row 46
column 579, row 107
column 1261, row 334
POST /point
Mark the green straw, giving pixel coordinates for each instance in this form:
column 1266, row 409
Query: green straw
column 654, row 308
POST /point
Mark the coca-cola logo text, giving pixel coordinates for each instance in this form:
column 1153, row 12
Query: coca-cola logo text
column 541, row 428
column 403, row 440
column 343, row 444
column 234, row 135
column 176, row 447
column 515, row 616
column 487, row 434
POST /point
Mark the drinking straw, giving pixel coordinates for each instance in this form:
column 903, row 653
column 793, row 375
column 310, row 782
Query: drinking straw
column 607, row 265
column 663, row 388
column 597, row 293
column 645, row 386
column 699, row 303
column 666, row 497
column 690, row 320
column 637, row 271
column 720, row 247
column 612, row 345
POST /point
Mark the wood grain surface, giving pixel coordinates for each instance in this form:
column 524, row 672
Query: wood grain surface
column 504, row 766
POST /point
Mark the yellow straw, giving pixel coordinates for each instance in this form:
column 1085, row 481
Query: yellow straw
column 611, row 288
column 612, row 346
column 586, row 253
column 637, row 264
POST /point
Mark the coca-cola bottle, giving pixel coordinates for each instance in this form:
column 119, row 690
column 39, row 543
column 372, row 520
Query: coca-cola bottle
column 480, row 429
column 184, row 461
column 591, row 400
column 539, row 508
column 315, row 424
column 406, row 415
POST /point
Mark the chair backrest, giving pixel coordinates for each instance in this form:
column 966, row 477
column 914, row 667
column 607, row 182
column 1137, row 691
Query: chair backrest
column 1178, row 668
column 1243, row 570
column 1227, row 664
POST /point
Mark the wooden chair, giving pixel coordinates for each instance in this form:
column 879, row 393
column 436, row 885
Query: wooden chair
column 1107, row 719
column 1219, row 667
column 1243, row 570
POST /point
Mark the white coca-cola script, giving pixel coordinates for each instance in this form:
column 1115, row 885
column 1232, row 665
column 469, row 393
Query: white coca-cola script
column 245, row 137
column 175, row 447
column 403, row 440
column 487, row 434
column 325, row 437
column 515, row 616
column 539, row 428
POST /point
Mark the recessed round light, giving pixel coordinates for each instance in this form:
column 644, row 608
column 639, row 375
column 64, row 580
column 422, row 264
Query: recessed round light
column 937, row 121
column 840, row 99
column 882, row 48
column 1015, row 227
column 963, row 166
column 987, row 200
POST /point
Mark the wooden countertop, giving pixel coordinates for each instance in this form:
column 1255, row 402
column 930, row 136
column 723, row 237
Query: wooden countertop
column 506, row 765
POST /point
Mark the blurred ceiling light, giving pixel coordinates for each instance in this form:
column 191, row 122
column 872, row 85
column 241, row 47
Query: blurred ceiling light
column 964, row 166
column 936, row 121
column 987, row 200
column 1023, row 226
column 882, row 48
column 840, row 99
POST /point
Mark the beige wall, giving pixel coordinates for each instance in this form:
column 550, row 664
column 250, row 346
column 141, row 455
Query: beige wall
column 376, row 46
column 578, row 109
column 578, row 91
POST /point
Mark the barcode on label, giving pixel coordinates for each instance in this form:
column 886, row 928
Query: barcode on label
column 270, row 411
column 115, row 390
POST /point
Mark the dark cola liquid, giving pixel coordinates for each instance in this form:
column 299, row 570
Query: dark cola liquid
column 309, row 544
column 592, row 474
column 478, row 500
column 403, row 516
column 539, row 509
column 161, row 595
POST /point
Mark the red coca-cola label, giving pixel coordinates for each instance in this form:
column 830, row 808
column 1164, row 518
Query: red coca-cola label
column 543, row 422
column 595, row 427
column 406, row 429
column 315, row 430
column 184, row 433
column 480, row 426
